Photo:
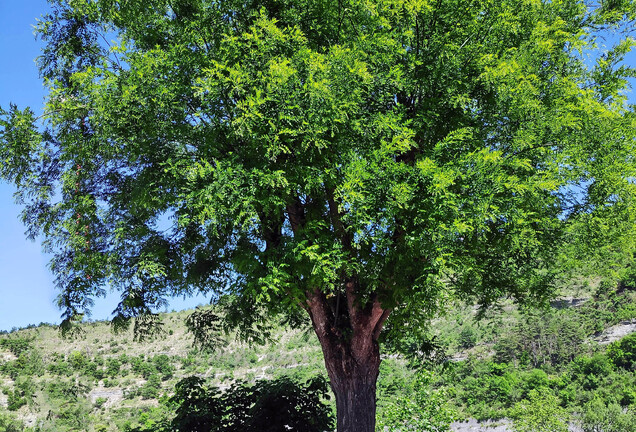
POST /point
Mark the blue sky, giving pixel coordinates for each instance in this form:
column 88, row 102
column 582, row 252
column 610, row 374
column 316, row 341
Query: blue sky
column 26, row 289
column 27, row 293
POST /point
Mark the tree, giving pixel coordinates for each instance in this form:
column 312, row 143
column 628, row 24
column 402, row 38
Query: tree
column 357, row 162
column 542, row 413
column 423, row 411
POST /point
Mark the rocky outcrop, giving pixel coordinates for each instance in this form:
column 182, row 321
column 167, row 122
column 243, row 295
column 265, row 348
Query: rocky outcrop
column 616, row 332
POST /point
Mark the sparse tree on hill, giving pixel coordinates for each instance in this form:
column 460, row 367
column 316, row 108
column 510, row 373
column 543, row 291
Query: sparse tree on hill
column 357, row 162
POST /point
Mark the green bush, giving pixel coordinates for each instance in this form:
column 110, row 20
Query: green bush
column 539, row 413
column 536, row 379
column 8, row 424
column 16, row 345
column 77, row 360
column 60, row 367
column 143, row 367
column 424, row 411
column 99, row 402
column 66, row 391
column 113, row 365
column 607, row 418
column 623, row 352
column 110, row 382
column 150, row 390
column 467, row 337
column 591, row 371
column 15, row 400
column 164, row 367
column 283, row 404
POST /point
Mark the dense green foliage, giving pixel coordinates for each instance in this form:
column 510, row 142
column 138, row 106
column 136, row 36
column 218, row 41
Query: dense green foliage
column 548, row 363
column 17, row 346
column 7, row 424
column 540, row 413
column 623, row 352
column 97, row 382
column 415, row 407
column 297, row 145
column 268, row 406
column 360, row 163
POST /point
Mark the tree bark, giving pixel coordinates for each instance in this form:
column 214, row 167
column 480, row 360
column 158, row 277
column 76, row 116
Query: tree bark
column 352, row 356
column 354, row 386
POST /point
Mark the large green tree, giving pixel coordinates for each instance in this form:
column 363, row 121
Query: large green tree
column 357, row 161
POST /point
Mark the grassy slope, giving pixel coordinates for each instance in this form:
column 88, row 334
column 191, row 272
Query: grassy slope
column 101, row 381
column 135, row 374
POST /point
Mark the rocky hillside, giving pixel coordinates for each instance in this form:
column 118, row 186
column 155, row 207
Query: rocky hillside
column 574, row 356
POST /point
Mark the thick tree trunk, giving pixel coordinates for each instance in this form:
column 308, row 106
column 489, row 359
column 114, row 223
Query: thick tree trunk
column 352, row 356
column 354, row 388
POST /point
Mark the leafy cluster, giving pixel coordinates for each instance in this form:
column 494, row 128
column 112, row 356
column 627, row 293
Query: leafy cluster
column 281, row 404
column 274, row 148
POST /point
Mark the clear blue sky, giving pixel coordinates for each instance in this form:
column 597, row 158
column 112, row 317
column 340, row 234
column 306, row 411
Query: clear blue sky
column 26, row 286
column 27, row 293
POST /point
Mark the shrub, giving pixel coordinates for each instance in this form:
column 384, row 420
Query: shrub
column 17, row 346
column 607, row 418
column 60, row 367
column 141, row 366
column 150, row 390
column 590, row 371
column 110, row 382
column 77, row 360
column 164, row 366
column 623, row 352
column 113, row 365
column 467, row 337
column 536, row 379
column 540, row 413
column 283, row 404
column 15, row 400
column 424, row 411
column 8, row 424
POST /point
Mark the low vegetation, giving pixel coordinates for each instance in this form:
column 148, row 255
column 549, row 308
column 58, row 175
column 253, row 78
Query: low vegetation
column 543, row 369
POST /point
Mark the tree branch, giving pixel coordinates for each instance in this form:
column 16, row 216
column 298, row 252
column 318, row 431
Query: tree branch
column 296, row 214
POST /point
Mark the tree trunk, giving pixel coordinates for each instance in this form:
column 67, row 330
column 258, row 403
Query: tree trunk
column 354, row 387
column 352, row 356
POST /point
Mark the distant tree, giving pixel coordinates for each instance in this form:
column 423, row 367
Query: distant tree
column 151, row 388
column 541, row 413
column 357, row 162
column 623, row 352
column 9, row 424
column 599, row 417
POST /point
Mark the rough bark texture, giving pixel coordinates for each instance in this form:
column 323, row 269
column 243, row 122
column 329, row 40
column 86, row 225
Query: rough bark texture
column 349, row 340
column 354, row 386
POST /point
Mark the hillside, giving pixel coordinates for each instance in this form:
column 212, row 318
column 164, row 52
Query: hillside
column 103, row 378
column 492, row 368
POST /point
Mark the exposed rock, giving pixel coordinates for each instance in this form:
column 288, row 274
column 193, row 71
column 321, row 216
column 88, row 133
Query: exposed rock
column 503, row 425
column 6, row 357
column 113, row 396
column 473, row 425
column 616, row 332
column 29, row 419
column 567, row 302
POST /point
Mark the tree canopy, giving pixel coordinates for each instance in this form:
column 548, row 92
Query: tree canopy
column 362, row 161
